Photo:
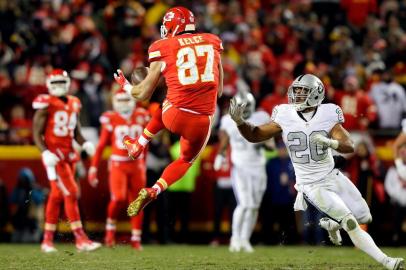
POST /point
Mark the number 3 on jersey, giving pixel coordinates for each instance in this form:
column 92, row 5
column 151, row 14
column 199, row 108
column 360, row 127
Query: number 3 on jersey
column 188, row 73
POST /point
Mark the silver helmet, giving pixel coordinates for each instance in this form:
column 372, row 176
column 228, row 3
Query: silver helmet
column 306, row 91
column 247, row 98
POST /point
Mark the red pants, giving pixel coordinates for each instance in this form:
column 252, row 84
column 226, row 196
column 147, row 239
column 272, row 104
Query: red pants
column 194, row 130
column 126, row 179
column 64, row 189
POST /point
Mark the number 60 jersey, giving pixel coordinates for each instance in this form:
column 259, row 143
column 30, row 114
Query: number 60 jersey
column 311, row 161
column 191, row 70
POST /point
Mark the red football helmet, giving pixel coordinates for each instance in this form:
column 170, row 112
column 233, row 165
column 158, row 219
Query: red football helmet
column 123, row 102
column 58, row 82
column 177, row 20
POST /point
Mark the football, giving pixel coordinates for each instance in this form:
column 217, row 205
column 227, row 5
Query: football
column 141, row 72
column 138, row 74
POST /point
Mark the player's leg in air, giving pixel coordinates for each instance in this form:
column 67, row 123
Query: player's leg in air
column 137, row 181
column 329, row 196
column 136, row 146
column 194, row 130
column 69, row 189
column 118, row 181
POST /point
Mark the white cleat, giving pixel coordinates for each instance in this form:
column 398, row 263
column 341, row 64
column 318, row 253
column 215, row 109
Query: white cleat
column 246, row 246
column 234, row 245
column 333, row 229
column 393, row 263
column 87, row 245
column 48, row 248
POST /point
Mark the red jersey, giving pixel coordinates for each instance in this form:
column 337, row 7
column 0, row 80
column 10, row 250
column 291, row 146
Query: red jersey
column 114, row 127
column 61, row 122
column 191, row 70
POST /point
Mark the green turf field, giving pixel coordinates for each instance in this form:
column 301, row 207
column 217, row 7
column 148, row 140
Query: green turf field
column 188, row 257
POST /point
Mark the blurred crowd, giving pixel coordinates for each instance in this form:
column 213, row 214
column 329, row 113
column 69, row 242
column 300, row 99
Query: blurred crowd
column 357, row 48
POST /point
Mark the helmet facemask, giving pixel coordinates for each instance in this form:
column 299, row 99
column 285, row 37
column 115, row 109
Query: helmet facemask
column 123, row 103
column 58, row 86
column 307, row 91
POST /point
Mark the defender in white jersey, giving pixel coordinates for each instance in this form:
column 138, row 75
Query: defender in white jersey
column 248, row 173
column 309, row 130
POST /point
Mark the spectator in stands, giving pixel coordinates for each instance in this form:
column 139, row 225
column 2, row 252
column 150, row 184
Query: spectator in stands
column 3, row 130
column 27, row 208
column 390, row 98
column 279, row 95
column 395, row 186
column 20, row 126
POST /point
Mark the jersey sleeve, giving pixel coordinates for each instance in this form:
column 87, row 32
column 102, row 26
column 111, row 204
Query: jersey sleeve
column 41, row 102
column 404, row 125
column 216, row 41
column 276, row 115
column 77, row 103
column 339, row 116
column 155, row 51
column 105, row 121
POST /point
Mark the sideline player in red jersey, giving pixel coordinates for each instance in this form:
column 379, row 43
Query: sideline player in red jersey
column 191, row 65
column 55, row 127
column 127, row 176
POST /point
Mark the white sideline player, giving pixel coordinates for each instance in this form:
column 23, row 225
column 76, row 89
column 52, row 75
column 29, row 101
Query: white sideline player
column 248, row 173
column 310, row 129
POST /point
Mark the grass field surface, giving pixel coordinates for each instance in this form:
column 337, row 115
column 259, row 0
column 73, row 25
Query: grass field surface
column 189, row 257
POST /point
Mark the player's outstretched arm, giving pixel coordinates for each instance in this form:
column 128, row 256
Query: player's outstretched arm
column 40, row 118
column 341, row 135
column 250, row 132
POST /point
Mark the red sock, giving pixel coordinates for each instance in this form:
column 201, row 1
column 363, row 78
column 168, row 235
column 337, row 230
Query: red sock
column 79, row 233
column 136, row 222
column 153, row 127
column 49, row 236
column 173, row 172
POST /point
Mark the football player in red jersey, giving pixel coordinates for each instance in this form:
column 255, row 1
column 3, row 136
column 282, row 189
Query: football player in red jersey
column 127, row 176
column 191, row 65
column 55, row 127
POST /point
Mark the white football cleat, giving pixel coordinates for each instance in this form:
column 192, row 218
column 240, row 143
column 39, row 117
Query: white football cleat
column 393, row 263
column 87, row 245
column 246, row 246
column 333, row 229
column 48, row 248
column 234, row 245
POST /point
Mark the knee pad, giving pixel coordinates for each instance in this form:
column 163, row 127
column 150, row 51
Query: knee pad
column 365, row 219
column 349, row 223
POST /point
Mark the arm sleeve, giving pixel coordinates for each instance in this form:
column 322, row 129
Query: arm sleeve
column 339, row 115
column 104, row 139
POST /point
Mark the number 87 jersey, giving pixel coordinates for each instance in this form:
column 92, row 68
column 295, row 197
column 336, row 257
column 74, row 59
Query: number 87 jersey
column 311, row 161
column 191, row 69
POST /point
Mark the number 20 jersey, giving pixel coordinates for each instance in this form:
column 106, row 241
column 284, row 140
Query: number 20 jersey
column 61, row 122
column 311, row 162
column 190, row 69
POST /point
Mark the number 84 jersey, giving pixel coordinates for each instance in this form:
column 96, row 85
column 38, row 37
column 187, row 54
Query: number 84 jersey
column 311, row 162
column 61, row 122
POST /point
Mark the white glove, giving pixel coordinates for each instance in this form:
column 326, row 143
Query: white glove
column 89, row 148
column 320, row 139
column 49, row 159
column 218, row 162
column 400, row 168
column 236, row 111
